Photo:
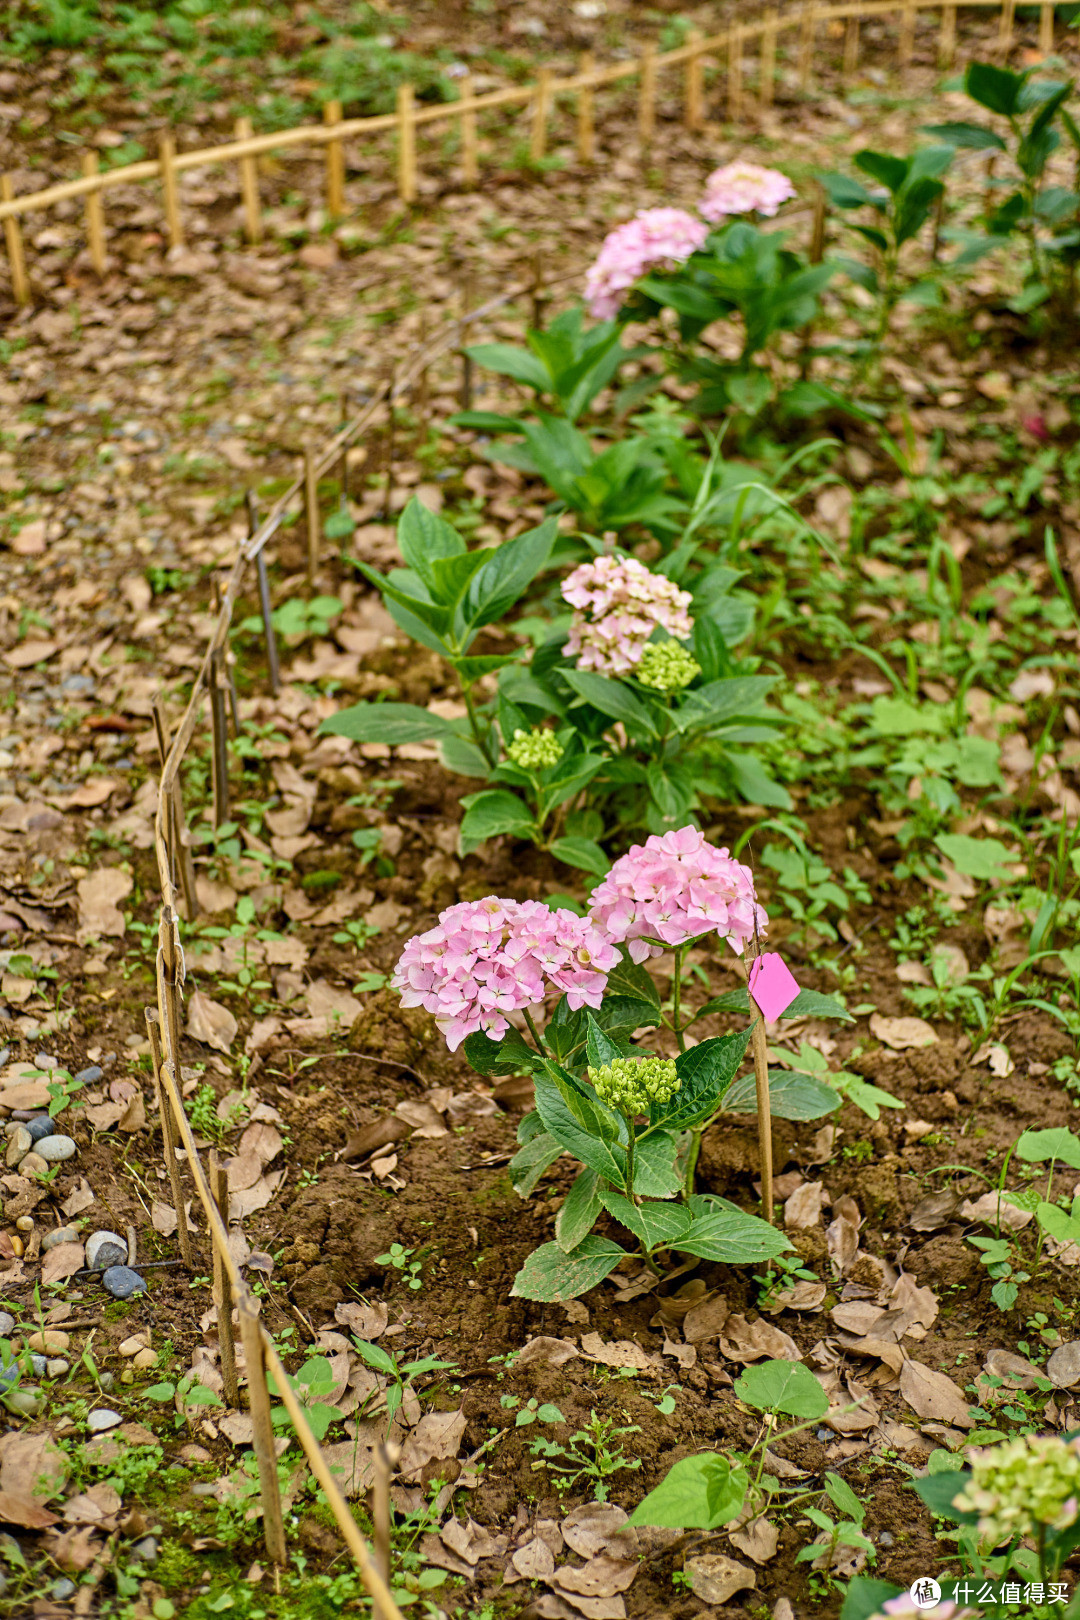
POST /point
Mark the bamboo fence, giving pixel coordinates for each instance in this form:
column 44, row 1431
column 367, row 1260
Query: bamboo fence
column 807, row 22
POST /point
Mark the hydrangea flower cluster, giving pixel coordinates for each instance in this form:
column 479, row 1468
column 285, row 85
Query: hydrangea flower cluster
column 486, row 958
column 631, row 1084
column 744, row 188
column 619, row 604
column 666, row 666
column 1027, row 1483
column 535, row 750
column 655, row 236
column 670, row 890
column 906, row 1607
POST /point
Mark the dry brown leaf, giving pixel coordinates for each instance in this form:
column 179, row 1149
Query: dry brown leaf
column 758, row 1540
column 210, row 1023
column 933, row 1395
column 620, row 1353
column 750, row 1341
column 99, row 893
column 436, row 1437
column 603, row 1576
column 471, row 1541
column 74, row 1549
column 426, row 1121
column 597, row 1528
column 1063, row 1368
column 15, row 1508
column 547, row 1352
column 803, row 1209
column 96, row 1505
column 705, row 1319
column 163, row 1217
column 29, row 653
column 801, row 1296
column 62, row 1261
column 714, row 1578
column 249, row 1199
column 535, row 1561
column 902, row 1034
column 934, row 1211
column 244, row 1170
column 857, row 1316
column 921, row 1304
column 366, row 1321
column 80, row 1198
column 842, row 1235
column 262, row 1140
column 31, row 1463
column 992, row 1209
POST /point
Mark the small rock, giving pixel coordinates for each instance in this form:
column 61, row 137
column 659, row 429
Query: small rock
column 132, row 1346
column 101, row 1419
column 56, row 1367
column 7, row 1324
column 885, row 1539
column 44, row 1061
column 33, row 1164
column 4, row 1055
column 9, row 1377
column 25, row 1223
column 56, row 1148
column 144, row 1359
column 41, row 1125
column 19, row 1144
column 25, row 1401
column 105, row 1249
column 39, row 1366
column 146, row 1550
column 90, row 1075
column 122, row 1282
column 106, row 1380
column 62, row 1589
column 63, row 1234
column 51, row 1340
column 1063, row 1368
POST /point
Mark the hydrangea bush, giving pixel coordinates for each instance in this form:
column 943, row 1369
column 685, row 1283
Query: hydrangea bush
column 489, row 972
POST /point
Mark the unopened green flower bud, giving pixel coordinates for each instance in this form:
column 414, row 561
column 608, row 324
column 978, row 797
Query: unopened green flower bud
column 666, row 666
column 535, row 750
column 1023, row 1487
column 632, row 1084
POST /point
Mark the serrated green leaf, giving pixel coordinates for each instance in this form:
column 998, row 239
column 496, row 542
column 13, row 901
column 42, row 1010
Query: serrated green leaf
column 391, row 723
column 729, row 1236
column 549, row 1276
column 705, row 1073
column 651, row 1222
column 782, row 1386
column 577, row 1216
column 612, row 698
column 576, row 1124
column 698, row 1493
column 791, row 1096
column 530, row 1162
column 630, row 978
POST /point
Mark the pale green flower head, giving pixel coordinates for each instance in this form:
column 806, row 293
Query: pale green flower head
column 1028, row 1484
column 535, row 750
column 666, row 666
column 631, row 1084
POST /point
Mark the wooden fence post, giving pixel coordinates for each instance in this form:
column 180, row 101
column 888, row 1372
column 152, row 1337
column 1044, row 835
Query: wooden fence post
column 249, row 185
column 735, row 54
column 767, row 60
column 1005, row 32
column 168, row 1139
column 694, row 83
column 335, row 164
column 1046, row 29
column 262, row 1428
column 179, row 843
column 406, row 130
column 20, row 286
column 171, row 191
column 223, row 1294
column 311, row 512
column 95, row 216
column 470, row 159
column 647, row 98
column 541, row 110
column 764, row 1113
column 807, row 30
column 947, row 37
column 219, row 737
column 586, row 130
column 906, row 44
column 851, row 50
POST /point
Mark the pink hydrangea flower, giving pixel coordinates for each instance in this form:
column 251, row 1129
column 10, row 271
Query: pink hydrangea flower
column 619, row 604
column 486, row 958
column 655, row 236
column 906, row 1607
column 744, row 188
column 672, row 889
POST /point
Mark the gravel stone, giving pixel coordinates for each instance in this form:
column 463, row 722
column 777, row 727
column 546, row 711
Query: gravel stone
column 19, row 1144
column 56, row 1148
column 121, row 1282
column 63, row 1234
column 41, row 1125
column 146, row 1550
column 62, row 1589
column 56, row 1367
column 90, row 1075
column 105, row 1249
column 25, row 1401
column 7, row 1324
column 101, row 1419
column 33, row 1164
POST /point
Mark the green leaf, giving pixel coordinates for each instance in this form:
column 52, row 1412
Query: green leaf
column 577, row 1216
column 791, row 1096
column 651, row 1222
column 600, row 1049
column 577, row 1123
column 864, row 1597
column 887, row 170
column 995, row 88
column 424, row 538
column 845, row 192
column 706, row 1072
column 469, row 668
column 630, row 978
column 582, row 853
column 508, row 572
column 783, row 1386
column 755, row 784
column 508, row 1055
column 490, row 813
column 985, row 859
column 549, row 1276
column 510, row 361
column 626, row 1013
column 391, row 723
column 939, row 1492
column 1060, row 1225
column 812, row 1004
column 698, row 1493
column 1036, row 1147
column 971, row 137
column 530, row 1162
column 612, row 698
column 841, row 1494
column 463, row 757
column 735, row 1001
column 375, row 1357
column 729, row 1236
column 654, row 1166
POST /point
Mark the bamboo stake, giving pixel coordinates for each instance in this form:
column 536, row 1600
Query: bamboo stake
column 406, row 128
column 947, row 37
column 262, row 1428
column 249, row 186
column 380, row 1510
column 807, row 29
column 167, row 157
column 647, row 98
column 95, row 216
column 735, row 96
column 20, row 286
column 1005, row 31
column 180, row 850
column 168, row 1139
column 764, row 1113
column 265, row 607
column 541, row 110
column 223, row 1294
column 1046, row 29
column 311, row 510
column 586, row 131
column 335, row 164
column 470, row 159
column 767, row 66
column 694, row 84
column 906, row 48
column 170, row 979
column 851, row 49
column 220, row 738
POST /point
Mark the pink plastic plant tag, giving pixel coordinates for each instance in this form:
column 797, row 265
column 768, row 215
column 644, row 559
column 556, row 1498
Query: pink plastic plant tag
column 772, row 985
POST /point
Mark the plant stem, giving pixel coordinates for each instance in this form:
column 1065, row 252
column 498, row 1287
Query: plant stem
column 676, row 998
column 535, row 1033
column 630, row 1144
column 474, row 722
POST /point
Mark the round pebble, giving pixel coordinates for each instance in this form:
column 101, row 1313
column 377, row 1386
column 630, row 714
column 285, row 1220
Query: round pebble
column 106, row 1380
column 56, row 1367
column 101, row 1419
column 19, row 1144
column 51, row 1340
column 144, row 1359
column 90, row 1075
column 105, row 1249
column 9, row 1376
column 7, row 1324
column 146, row 1550
column 41, row 1125
column 40, row 1366
column 121, row 1282
column 26, row 1401
column 62, row 1589
column 4, row 1055
column 63, row 1234
column 56, row 1148
column 25, row 1223
column 44, row 1061
column 33, row 1164
column 885, row 1539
